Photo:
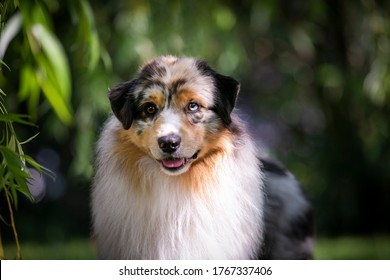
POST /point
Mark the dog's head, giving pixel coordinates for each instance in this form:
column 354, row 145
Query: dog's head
column 174, row 109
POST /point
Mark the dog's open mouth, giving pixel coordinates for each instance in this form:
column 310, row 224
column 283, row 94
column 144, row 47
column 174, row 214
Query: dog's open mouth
column 175, row 164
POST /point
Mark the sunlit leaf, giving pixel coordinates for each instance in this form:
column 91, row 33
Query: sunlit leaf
column 94, row 52
column 60, row 107
column 30, row 89
column 11, row 29
column 55, row 56
column 50, row 89
column 27, row 81
column 90, row 30
column 35, row 12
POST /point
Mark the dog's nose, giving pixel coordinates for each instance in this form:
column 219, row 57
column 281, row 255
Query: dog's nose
column 169, row 143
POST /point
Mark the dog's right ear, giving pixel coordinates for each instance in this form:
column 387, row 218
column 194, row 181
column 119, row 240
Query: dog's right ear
column 123, row 102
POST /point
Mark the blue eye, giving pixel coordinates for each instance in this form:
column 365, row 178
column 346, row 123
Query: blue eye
column 193, row 107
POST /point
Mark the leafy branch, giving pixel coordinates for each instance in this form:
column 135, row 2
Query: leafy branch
column 45, row 71
column 14, row 174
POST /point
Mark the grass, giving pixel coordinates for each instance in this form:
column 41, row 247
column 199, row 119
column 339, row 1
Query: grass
column 78, row 249
column 352, row 248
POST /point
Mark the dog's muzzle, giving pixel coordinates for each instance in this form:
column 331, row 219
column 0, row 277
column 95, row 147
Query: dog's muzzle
column 175, row 164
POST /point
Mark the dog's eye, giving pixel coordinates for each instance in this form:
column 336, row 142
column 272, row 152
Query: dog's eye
column 150, row 109
column 193, row 107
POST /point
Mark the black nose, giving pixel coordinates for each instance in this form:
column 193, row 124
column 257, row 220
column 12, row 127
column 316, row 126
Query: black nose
column 169, row 143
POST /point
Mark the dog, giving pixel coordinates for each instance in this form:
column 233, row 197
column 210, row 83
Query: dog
column 177, row 175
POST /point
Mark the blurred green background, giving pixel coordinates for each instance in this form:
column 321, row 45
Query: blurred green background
column 315, row 91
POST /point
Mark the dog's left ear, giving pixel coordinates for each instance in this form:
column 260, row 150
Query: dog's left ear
column 122, row 102
column 227, row 91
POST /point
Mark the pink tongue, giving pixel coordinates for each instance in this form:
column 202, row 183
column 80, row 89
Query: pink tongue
column 173, row 162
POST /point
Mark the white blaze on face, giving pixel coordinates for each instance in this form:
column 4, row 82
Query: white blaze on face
column 171, row 123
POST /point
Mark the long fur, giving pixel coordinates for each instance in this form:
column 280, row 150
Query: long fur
column 211, row 207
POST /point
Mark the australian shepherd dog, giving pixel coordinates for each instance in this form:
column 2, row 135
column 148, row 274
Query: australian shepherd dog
column 177, row 175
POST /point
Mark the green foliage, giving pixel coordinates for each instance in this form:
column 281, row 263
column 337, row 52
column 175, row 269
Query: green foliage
column 14, row 173
column 353, row 248
column 342, row 248
column 45, row 70
column 77, row 249
column 46, row 66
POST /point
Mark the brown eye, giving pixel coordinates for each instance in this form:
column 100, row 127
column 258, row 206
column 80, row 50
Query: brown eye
column 193, row 107
column 150, row 109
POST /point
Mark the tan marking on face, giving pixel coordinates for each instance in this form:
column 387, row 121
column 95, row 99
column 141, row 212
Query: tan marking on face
column 198, row 176
column 147, row 141
column 192, row 136
column 157, row 98
column 193, row 133
column 130, row 154
column 184, row 96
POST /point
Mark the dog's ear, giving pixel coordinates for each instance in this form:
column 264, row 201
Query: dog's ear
column 227, row 91
column 123, row 102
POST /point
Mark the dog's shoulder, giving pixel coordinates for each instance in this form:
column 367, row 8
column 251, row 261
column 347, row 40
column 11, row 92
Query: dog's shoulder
column 289, row 226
